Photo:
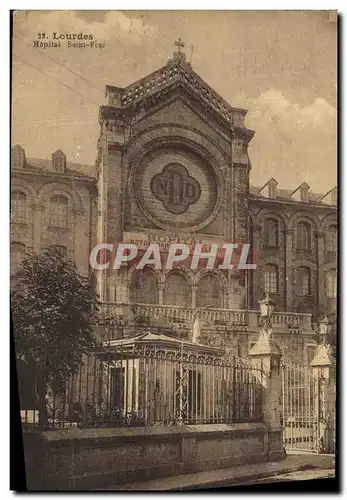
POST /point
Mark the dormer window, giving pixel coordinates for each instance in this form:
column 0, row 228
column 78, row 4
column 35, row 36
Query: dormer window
column 59, row 161
column 272, row 186
column 334, row 196
column 330, row 198
column 18, row 157
column 304, row 188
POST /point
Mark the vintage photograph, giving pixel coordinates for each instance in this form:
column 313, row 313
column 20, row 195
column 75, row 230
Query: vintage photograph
column 174, row 248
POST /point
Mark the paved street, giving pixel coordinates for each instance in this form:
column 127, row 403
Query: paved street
column 303, row 475
column 293, row 467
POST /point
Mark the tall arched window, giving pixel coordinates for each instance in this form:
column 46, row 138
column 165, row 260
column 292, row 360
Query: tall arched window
column 270, row 279
column 331, row 238
column 271, row 232
column 331, row 283
column 17, row 254
column 59, row 211
column 302, row 281
column 209, row 293
column 177, row 291
column 19, row 206
column 143, row 288
column 303, row 233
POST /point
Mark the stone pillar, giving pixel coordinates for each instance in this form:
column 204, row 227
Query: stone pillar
column 324, row 370
column 289, row 270
column 233, row 295
column 320, row 267
column 194, row 287
column 161, row 293
column 111, row 288
column 121, row 286
column 266, row 356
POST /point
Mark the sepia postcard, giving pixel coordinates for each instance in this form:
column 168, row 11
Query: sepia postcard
column 174, row 248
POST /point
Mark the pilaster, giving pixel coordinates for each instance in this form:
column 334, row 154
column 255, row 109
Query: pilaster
column 320, row 267
column 161, row 293
column 266, row 356
column 324, row 370
column 37, row 227
column 289, row 269
column 194, row 288
column 256, row 271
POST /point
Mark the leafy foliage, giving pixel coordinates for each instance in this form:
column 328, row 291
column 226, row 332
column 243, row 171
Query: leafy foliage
column 53, row 310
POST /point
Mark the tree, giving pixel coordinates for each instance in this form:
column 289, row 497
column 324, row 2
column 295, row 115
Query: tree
column 53, row 310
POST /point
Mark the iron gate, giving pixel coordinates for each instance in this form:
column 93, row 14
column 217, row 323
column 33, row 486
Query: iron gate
column 300, row 408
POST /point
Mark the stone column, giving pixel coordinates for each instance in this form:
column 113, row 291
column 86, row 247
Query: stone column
column 111, row 288
column 266, row 359
column 161, row 293
column 289, row 269
column 121, row 286
column 320, row 268
column 324, row 370
column 233, row 295
column 194, row 288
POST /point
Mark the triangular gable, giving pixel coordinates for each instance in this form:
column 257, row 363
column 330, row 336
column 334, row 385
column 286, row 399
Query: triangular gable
column 301, row 192
column 330, row 198
column 269, row 190
column 177, row 72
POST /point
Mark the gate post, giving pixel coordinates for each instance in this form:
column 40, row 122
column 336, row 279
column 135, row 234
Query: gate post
column 324, row 370
column 266, row 355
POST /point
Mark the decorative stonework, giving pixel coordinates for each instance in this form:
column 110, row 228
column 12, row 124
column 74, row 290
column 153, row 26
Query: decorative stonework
column 200, row 171
column 179, row 71
column 175, row 188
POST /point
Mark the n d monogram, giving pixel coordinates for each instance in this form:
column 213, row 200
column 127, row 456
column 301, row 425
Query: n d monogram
column 175, row 188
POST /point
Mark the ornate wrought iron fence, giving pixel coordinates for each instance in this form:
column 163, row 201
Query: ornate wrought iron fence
column 151, row 385
column 300, row 411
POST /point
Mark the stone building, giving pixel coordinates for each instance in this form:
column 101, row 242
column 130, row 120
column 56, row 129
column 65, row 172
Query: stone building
column 172, row 129
column 53, row 203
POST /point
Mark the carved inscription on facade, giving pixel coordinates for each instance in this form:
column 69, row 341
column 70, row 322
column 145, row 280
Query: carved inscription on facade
column 175, row 188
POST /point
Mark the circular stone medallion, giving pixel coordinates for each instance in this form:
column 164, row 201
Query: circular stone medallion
column 175, row 188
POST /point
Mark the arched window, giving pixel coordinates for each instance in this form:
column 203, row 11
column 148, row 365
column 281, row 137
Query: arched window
column 270, row 279
column 17, row 254
column 143, row 287
column 19, row 206
column 177, row 291
column 331, row 238
column 59, row 211
column 331, row 283
column 271, row 232
column 303, row 236
column 302, row 281
column 208, row 293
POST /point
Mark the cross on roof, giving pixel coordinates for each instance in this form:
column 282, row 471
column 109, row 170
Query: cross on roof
column 180, row 44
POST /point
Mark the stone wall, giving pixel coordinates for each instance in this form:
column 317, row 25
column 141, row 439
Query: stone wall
column 86, row 459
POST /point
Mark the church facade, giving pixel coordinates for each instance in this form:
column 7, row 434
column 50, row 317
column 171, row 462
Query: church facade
column 173, row 166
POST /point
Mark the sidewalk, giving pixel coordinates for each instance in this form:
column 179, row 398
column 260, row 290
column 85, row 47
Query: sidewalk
column 233, row 475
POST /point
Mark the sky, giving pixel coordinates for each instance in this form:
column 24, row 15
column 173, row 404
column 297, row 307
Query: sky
column 280, row 65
